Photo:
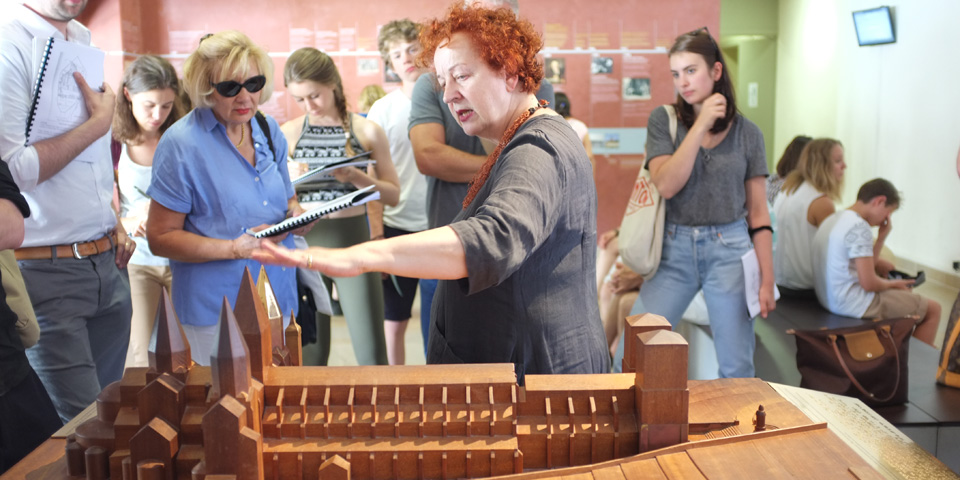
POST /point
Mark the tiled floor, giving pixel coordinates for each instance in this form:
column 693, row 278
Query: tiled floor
column 341, row 351
column 943, row 294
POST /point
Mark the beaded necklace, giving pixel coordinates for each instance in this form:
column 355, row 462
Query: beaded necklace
column 481, row 177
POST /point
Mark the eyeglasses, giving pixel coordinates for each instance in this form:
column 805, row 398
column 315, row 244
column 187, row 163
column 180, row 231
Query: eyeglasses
column 704, row 30
column 231, row 88
column 701, row 29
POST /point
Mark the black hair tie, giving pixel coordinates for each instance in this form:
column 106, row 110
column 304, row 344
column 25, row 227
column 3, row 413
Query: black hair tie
column 753, row 231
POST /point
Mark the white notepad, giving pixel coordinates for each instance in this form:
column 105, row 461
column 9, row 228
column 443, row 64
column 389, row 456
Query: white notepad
column 354, row 161
column 358, row 197
column 751, row 280
column 58, row 106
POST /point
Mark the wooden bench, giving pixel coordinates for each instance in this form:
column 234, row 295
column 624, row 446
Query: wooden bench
column 931, row 417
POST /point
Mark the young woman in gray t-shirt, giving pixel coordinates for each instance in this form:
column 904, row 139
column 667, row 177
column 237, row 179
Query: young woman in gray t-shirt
column 712, row 178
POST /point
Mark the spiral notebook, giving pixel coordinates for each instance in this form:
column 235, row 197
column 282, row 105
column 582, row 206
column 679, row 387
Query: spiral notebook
column 354, row 161
column 358, row 197
column 58, row 105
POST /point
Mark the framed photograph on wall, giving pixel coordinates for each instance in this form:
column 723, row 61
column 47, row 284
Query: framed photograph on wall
column 555, row 70
column 390, row 76
column 636, row 89
column 601, row 65
column 367, row 67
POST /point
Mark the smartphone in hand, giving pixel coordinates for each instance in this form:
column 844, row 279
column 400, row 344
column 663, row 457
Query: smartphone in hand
column 918, row 279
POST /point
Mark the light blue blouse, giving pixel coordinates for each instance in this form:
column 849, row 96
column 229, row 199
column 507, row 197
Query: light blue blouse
column 197, row 171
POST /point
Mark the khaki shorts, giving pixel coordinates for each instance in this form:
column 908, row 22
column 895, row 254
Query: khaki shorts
column 896, row 304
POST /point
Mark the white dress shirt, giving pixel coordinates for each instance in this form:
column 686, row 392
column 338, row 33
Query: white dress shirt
column 75, row 204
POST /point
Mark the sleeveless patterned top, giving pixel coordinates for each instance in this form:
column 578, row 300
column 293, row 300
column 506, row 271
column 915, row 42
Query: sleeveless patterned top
column 318, row 146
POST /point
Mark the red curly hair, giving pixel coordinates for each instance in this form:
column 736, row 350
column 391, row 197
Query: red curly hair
column 505, row 42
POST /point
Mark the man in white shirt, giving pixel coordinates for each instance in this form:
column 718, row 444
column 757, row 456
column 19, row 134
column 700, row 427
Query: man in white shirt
column 73, row 257
column 844, row 263
column 399, row 48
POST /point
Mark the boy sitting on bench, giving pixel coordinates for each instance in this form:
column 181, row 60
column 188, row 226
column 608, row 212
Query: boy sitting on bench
column 844, row 264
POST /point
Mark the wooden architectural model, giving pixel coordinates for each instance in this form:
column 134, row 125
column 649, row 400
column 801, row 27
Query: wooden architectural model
column 255, row 413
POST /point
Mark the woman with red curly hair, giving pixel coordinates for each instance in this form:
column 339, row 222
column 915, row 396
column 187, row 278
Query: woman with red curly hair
column 518, row 262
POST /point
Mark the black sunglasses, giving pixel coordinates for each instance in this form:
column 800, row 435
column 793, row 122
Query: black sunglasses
column 231, row 88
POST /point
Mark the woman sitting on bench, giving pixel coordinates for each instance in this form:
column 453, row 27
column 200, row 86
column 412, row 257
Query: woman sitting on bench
column 806, row 199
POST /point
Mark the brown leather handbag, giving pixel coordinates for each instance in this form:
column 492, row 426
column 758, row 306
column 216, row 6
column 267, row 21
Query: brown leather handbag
column 948, row 372
column 868, row 362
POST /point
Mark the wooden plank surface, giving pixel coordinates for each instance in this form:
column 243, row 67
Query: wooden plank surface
column 679, row 466
column 725, row 400
column 610, row 473
column 646, row 469
column 46, row 462
column 71, row 426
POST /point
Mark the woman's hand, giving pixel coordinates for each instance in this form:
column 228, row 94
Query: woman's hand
column 624, row 280
column 334, row 262
column 713, row 109
column 244, row 245
column 348, row 175
column 295, row 211
column 767, row 300
column 297, row 169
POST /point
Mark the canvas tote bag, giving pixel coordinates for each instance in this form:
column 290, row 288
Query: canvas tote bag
column 641, row 230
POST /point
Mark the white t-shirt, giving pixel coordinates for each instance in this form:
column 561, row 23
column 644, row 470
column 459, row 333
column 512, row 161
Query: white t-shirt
column 392, row 112
column 133, row 180
column 842, row 238
column 579, row 127
column 792, row 259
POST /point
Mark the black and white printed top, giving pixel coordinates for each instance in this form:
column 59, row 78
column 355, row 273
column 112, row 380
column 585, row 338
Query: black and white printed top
column 318, row 146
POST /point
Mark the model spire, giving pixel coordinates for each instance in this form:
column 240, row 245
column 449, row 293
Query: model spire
column 230, row 362
column 254, row 324
column 171, row 351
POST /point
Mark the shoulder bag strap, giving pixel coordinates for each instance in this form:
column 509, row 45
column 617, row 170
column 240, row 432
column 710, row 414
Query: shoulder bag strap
column 672, row 115
column 266, row 130
column 884, row 333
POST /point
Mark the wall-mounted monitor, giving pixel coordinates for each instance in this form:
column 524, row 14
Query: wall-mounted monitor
column 874, row 26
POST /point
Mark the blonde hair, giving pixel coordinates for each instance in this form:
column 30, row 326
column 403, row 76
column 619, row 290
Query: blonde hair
column 310, row 64
column 224, row 56
column 371, row 93
column 816, row 168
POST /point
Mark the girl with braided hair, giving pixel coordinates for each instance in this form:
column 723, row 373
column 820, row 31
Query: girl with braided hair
column 326, row 133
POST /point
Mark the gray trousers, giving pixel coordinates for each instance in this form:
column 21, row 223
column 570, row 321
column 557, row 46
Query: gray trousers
column 83, row 308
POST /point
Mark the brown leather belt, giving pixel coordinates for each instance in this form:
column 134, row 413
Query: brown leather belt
column 77, row 250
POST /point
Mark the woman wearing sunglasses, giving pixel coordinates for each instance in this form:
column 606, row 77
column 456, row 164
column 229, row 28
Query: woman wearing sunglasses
column 326, row 133
column 215, row 176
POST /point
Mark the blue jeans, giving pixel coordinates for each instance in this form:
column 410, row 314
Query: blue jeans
column 83, row 308
column 708, row 258
column 427, row 289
